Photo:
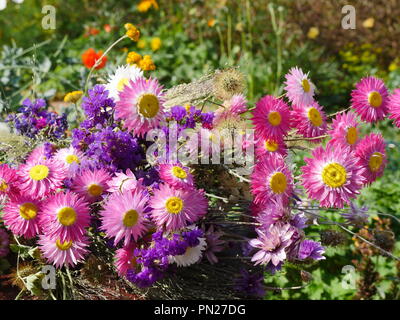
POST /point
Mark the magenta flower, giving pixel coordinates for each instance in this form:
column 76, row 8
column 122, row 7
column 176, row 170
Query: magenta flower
column 299, row 88
column 123, row 216
column 141, row 105
column 65, row 216
column 372, row 156
column 9, row 181
column 344, row 131
column 21, row 216
column 39, row 179
column 271, row 118
column 177, row 208
column 333, row 176
column 269, row 146
column 176, row 175
column 63, row 253
column 271, row 180
column 370, row 99
column 394, row 107
column 125, row 259
column 309, row 120
column 91, row 184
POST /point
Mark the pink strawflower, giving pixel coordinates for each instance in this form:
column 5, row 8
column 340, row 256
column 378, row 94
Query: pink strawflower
column 176, row 208
column 141, row 105
column 176, row 175
column 205, row 143
column 37, row 154
column 344, row 131
column 4, row 243
column 333, row 176
column 299, row 88
column 21, row 216
column 39, row 179
column 271, row 118
column 235, row 106
column 271, row 180
column 394, row 107
column 9, row 181
column 273, row 212
column 124, row 182
column 270, row 146
column 123, row 216
column 65, row 216
column 372, row 156
column 71, row 158
column 91, row 184
column 272, row 244
column 370, row 99
column 125, row 259
column 309, row 120
column 63, row 253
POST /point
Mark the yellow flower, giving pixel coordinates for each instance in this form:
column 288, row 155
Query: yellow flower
column 369, row 23
column 211, row 22
column 142, row 44
column 145, row 5
column 313, row 32
column 393, row 66
column 146, row 64
column 155, row 44
column 73, row 96
column 132, row 32
column 133, row 58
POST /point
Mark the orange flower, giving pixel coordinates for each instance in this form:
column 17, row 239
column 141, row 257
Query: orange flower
column 107, row 28
column 89, row 58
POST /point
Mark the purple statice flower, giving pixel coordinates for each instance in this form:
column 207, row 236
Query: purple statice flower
column 272, row 244
column 154, row 260
column 299, row 221
column 309, row 249
column 250, row 284
column 177, row 113
column 214, row 244
column 357, row 216
column 33, row 118
column 108, row 148
column 49, row 150
column 207, row 119
column 98, row 107
column 4, row 243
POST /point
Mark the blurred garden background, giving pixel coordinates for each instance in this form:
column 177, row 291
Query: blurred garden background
column 188, row 38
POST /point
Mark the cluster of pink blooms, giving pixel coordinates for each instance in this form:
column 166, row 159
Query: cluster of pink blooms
column 56, row 198
column 333, row 176
column 39, row 204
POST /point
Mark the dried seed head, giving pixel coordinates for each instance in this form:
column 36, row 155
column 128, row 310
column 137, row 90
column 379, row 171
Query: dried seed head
column 227, row 83
column 332, row 238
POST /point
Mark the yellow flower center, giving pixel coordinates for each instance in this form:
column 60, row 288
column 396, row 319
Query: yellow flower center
column 3, row 186
column 148, row 105
column 271, row 145
column 375, row 99
column 39, row 172
column 351, row 136
column 28, row 211
column 278, row 182
column 71, row 158
column 315, row 117
column 334, row 175
column 63, row 245
column 179, row 172
column 66, row 216
column 375, row 161
column 306, row 85
column 274, row 118
column 95, row 190
column 130, row 219
column 122, row 83
column 174, row 205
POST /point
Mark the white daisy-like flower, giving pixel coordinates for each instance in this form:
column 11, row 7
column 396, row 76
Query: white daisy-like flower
column 120, row 78
column 191, row 256
column 3, row 3
column 71, row 158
